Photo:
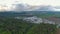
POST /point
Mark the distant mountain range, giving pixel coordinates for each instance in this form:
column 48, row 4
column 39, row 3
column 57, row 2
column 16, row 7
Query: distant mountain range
column 28, row 13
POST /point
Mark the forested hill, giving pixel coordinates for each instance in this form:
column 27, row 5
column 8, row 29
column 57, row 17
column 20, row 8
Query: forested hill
column 43, row 14
column 18, row 26
column 9, row 25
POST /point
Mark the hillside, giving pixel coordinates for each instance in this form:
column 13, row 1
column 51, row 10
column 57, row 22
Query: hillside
column 18, row 26
column 10, row 25
column 42, row 14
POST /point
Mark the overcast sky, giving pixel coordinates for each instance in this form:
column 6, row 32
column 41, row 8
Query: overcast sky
column 30, row 2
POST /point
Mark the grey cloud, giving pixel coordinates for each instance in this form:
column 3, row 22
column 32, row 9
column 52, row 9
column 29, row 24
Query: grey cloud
column 26, row 7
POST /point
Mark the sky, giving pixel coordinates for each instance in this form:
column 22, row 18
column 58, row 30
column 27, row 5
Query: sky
column 9, row 3
column 31, row 2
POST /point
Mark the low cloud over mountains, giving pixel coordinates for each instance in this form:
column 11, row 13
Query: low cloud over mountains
column 26, row 7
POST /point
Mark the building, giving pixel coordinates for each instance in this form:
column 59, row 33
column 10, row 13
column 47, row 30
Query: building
column 33, row 19
column 56, row 20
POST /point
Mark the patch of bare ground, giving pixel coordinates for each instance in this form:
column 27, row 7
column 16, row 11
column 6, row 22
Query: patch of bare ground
column 58, row 31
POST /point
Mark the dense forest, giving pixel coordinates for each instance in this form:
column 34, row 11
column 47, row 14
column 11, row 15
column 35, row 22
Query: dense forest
column 18, row 26
column 10, row 25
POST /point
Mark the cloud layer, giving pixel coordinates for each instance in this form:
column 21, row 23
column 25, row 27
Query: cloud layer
column 26, row 7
